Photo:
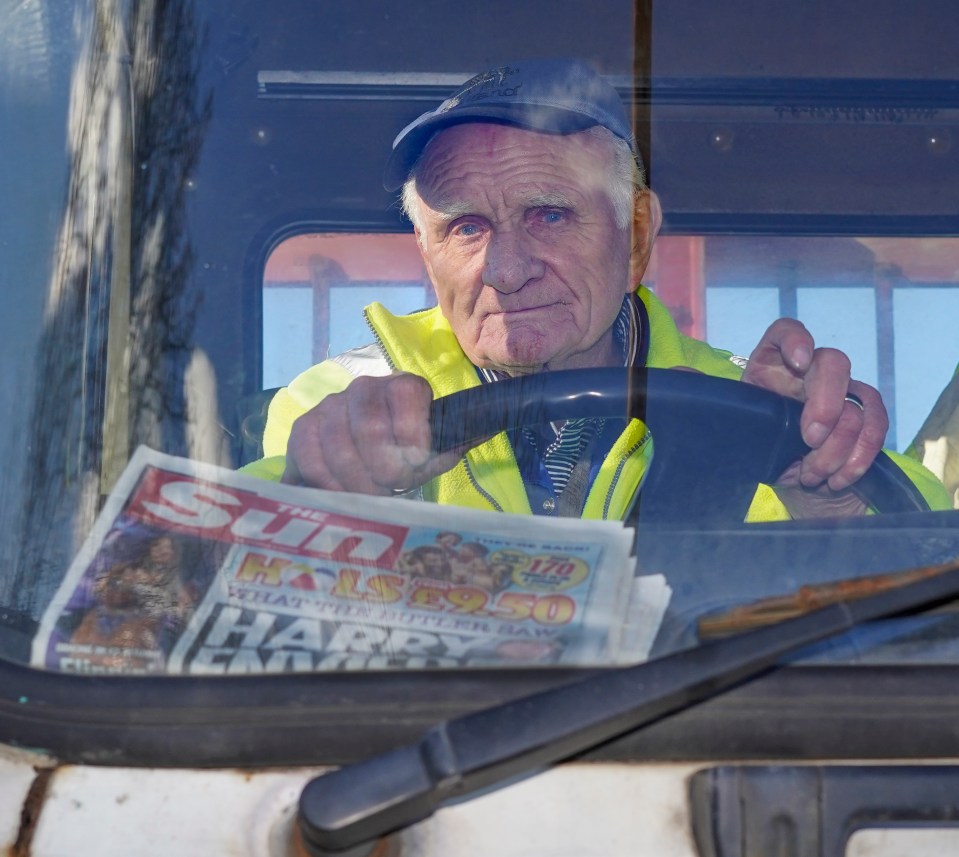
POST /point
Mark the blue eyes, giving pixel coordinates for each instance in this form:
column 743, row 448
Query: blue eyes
column 536, row 217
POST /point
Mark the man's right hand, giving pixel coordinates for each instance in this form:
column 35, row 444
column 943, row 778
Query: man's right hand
column 373, row 438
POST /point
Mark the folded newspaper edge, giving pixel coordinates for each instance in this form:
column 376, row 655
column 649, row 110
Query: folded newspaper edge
column 195, row 569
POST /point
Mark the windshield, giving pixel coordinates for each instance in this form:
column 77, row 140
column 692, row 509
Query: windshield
column 206, row 245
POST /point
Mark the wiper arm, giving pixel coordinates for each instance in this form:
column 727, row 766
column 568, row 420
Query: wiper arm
column 360, row 802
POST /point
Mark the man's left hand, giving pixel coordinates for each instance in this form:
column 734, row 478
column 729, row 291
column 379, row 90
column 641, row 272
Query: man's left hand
column 844, row 437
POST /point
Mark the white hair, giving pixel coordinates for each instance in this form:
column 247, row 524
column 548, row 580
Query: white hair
column 626, row 180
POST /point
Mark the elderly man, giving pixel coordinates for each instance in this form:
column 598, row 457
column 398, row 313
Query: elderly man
column 534, row 223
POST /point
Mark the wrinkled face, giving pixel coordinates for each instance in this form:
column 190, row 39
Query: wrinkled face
column 520, row 240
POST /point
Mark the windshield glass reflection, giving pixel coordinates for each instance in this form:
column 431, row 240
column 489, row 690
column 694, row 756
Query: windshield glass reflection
column 201, row 220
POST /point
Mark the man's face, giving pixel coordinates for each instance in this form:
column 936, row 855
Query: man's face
column 520, row 240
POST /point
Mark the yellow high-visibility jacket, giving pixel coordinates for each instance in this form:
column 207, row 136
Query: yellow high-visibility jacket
column 488, row 476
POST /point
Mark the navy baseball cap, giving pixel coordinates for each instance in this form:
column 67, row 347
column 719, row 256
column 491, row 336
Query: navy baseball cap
column 553, row 96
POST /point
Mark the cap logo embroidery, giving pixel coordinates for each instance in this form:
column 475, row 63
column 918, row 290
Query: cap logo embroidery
column 489, row 84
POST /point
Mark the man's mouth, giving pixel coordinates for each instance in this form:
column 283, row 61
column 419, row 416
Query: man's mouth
column 525, row 310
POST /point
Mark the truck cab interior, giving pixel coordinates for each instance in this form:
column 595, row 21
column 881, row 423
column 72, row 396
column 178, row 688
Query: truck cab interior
column 194, row 213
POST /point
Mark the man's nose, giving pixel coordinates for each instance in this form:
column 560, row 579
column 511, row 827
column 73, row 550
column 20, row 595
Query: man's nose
column 511, row 261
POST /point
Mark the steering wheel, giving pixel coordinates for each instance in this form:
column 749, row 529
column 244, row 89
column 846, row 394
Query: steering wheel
column 714, row 439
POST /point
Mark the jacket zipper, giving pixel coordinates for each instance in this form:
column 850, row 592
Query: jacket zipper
column 479, row 489
column 619, row 471
column 379, row 341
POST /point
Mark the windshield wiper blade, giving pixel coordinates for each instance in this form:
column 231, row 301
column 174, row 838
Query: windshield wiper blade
column 360, row 802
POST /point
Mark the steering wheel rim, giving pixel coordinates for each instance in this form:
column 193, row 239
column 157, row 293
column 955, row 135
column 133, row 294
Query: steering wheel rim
column 714, row 439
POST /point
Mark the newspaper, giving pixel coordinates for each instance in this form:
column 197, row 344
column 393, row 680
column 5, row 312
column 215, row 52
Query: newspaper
column 194, row 569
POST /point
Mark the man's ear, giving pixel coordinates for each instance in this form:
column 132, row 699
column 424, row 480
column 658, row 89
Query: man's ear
column 647, row 218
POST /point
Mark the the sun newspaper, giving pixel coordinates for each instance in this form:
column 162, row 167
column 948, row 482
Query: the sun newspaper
column 194, row 569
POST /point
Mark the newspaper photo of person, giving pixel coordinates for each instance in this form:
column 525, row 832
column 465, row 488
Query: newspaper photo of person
column 116, row 620
column 471, row 566
column 425, row 561
column 133, row 602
